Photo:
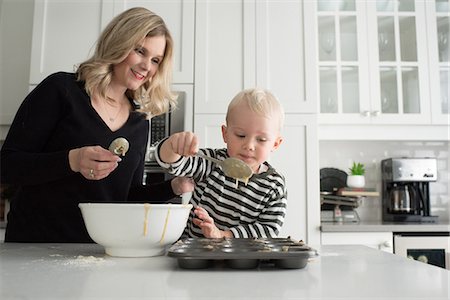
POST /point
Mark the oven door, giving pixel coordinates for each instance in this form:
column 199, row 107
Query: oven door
column 431, row 248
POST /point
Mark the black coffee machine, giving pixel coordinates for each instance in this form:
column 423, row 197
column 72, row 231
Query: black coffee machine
column 405, row 189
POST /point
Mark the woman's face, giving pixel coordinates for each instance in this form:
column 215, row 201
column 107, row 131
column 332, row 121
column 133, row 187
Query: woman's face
column 141, row 64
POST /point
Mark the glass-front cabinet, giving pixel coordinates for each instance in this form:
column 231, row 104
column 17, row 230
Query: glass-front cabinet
column 374, row 63
column 438, row 21
column 342, row 59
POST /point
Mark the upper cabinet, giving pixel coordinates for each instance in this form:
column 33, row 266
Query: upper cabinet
column 374, row 63
column 262, row 46
column 438, row 32
column 65, row 33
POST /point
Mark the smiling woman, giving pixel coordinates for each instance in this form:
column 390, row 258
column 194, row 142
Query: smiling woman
column 65, row 125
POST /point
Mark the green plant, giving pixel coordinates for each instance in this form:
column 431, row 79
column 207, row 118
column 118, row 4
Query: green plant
column 357, row 169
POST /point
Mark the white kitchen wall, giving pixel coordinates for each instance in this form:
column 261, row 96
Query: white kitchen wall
column 341, row 154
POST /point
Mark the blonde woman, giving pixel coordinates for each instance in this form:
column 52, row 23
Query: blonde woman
column 56, row 151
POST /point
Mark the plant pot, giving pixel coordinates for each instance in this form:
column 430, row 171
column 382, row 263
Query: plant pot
column 356, row 181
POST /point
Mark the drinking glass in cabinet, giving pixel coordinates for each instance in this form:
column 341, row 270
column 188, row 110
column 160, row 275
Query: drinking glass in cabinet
column 328, row 90
column 327, row 39
column 443, row 38
column 410, row 90
column 388, row 86
column 386, row 39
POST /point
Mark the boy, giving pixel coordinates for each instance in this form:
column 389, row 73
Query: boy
column 222, row 209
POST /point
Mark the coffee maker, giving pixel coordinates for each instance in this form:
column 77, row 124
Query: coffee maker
column 405, row 189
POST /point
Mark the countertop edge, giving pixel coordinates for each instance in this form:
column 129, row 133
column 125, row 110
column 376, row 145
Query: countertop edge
column 383, row 227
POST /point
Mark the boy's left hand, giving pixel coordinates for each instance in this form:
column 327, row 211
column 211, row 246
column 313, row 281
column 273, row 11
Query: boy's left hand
column 206, row 224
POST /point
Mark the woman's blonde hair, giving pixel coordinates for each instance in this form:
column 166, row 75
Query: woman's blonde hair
column 261, row 101
column 121, row 36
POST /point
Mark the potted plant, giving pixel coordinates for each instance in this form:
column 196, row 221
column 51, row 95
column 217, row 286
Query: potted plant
column 356, row 179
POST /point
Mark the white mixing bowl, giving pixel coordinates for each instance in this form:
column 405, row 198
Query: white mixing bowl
column 134, row 229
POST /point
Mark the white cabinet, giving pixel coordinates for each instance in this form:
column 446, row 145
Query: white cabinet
column 247, row 43
column 262, row 46
column 376, row 62
column 179, row 16
column 295, row 159
column 438, row 32
column 377, row 240
column 65, row 32
column 280, row 54
column 224, row 52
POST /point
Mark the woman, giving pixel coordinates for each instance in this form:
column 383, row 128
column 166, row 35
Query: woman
column 56, row 150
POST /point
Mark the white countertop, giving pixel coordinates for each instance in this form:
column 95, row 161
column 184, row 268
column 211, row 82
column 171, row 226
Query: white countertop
column 83, row 271
column 384, row 227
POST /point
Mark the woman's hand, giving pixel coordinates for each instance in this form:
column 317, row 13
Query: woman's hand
column 93, row 162
column 181, row 185
column 206, row 224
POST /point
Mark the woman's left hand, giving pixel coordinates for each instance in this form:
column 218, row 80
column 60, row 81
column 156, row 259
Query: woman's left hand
column 181, row 185
column 93, row 162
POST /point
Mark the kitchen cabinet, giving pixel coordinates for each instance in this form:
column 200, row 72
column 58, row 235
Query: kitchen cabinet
column 376, row 62
column 262, row 46
column 295, row 159
column 65, row 32
column 377, row 240
column 438, row 33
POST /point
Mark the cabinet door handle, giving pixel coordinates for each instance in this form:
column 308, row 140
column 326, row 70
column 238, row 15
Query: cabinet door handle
column 375, row 113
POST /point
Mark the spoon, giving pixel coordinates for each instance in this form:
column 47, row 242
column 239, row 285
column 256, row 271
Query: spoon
column 232, row 167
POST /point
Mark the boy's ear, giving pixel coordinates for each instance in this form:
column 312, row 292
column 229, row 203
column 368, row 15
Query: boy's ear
column 277, row 143
column 224, row 133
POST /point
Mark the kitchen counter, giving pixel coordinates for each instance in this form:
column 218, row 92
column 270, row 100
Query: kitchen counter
column 384, row 227
column 83, row 271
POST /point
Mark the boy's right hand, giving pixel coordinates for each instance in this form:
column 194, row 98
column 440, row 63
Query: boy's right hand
column 179, row 144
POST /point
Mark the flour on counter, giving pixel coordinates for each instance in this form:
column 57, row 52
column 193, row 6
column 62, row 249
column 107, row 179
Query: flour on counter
column 81, row 260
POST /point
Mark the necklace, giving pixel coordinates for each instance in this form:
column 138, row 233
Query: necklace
column 112, row 119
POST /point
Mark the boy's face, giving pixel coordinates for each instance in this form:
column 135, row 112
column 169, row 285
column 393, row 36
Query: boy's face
column 250, row 136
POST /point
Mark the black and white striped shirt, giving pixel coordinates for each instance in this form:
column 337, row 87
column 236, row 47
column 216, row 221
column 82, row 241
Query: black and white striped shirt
column 253, row 210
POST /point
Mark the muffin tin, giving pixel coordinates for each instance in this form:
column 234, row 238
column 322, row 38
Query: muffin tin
column 241, row 253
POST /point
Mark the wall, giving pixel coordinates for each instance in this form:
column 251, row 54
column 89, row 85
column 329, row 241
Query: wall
column 341, row 154
column 16, row 22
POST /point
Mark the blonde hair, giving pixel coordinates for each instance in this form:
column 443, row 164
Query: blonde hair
column 121, row 36
column 261, row 101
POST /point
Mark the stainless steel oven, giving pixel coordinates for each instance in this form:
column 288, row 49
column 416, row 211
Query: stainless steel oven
column 179, row 119
column 428, row 247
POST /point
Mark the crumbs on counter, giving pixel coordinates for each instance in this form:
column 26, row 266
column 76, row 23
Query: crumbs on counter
column 81, row 260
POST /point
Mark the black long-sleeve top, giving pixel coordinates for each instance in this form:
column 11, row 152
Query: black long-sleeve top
column 55, row 117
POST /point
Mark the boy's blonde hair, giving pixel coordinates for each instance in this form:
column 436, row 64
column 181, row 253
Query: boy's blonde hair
column 122, row 35
column 261, row 101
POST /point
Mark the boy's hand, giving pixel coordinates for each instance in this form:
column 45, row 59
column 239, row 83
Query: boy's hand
column 179, row 144
column 206, row 224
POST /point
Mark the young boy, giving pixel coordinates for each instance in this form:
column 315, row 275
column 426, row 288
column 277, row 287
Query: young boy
column 221, row 208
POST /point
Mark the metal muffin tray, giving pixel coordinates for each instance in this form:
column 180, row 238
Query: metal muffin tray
column 241, row 253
